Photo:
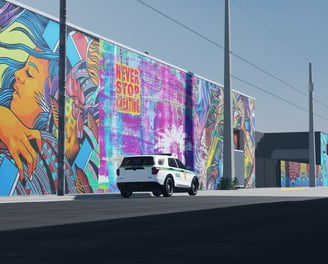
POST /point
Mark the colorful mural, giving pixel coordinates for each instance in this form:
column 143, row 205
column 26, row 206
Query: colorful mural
column 118, row 102
column 324, row 158
column 294, row 174
column 151, row 107
column 29, row 106
column 143, row 108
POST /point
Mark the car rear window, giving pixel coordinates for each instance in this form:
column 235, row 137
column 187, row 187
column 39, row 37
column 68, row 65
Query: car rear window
column 137, row 161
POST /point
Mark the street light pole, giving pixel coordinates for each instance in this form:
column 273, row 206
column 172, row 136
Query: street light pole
column 61, row 103
column 228, row 158
column 312, row 158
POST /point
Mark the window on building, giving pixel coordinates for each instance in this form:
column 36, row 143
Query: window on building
column 238, row 139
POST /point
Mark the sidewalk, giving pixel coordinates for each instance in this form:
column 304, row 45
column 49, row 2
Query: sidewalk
column 278, row 192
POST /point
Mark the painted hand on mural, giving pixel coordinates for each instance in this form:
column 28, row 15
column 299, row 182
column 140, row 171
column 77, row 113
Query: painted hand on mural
column 29, row 105
column 18, row 139
column 75, row 91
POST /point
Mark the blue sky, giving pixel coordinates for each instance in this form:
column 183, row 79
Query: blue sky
column 278, row 37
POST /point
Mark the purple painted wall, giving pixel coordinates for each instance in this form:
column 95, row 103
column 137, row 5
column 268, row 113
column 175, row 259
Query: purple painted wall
column 163, row 109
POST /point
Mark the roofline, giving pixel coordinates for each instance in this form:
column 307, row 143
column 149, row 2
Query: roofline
column 117, row 44
column 146, row 155
column 290, row 132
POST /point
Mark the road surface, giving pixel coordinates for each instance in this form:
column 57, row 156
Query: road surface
column 180, row 229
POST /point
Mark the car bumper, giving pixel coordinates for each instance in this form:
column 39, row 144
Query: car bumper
column 139, row 186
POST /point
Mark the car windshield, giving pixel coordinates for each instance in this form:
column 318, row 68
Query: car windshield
column 137, row 161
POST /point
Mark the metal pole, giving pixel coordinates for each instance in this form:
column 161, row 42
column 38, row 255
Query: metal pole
column 312, row 158
column 228, row 158
column 62, row 94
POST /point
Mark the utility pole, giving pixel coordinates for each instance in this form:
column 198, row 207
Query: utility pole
column 312, row 158
column 228, row 158
column 61, row 103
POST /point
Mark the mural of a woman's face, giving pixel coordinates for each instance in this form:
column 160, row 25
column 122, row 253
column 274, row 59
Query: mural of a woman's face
column 28, row 86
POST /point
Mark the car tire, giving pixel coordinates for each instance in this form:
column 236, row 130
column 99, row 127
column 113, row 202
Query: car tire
column 168, row 187
column 157, row 194
column 194, row 187
column 126, row 194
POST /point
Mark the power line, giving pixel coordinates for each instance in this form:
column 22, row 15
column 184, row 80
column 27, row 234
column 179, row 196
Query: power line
column 277, row 96
column 271, row 31
column 182, row 25
column 287, row 43
column 277, row 78
column 232, row 53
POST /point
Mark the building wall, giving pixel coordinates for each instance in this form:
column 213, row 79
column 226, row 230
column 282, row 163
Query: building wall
column 296, row 174
column 324, row 157
column 268, row 173
column 118, row 102
column 166, row 110
column 29, row 64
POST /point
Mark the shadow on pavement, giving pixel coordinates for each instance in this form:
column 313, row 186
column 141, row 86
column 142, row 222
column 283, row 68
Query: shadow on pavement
column 263, row 233
column 103, row 196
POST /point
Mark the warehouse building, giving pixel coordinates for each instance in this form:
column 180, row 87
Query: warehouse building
column 119, row 102
column 282, row 159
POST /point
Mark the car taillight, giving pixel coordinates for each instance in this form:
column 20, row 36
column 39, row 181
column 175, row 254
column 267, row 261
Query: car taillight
column 154, row 170
column 118, row 172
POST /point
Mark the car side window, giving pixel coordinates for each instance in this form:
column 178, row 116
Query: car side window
column 172, row 163
column 180, row 164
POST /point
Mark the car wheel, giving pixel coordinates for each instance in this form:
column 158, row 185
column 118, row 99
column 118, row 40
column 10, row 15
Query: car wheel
column 194, row 187
column 157, row 194
column 126, row 194
column 168, row 187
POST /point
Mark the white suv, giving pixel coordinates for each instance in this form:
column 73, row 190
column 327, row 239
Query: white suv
column 160, row 174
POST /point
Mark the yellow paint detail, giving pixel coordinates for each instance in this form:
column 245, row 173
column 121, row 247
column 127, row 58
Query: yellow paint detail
column 11, row 37
column 293, row 189
column 211, row 153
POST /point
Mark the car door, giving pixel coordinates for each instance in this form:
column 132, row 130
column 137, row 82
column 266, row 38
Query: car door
column 185, row 174
column 175, row 171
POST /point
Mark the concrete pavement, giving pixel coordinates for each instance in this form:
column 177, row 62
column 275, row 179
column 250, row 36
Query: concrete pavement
column 257, row 192
column 268, row 192
column 180, row 229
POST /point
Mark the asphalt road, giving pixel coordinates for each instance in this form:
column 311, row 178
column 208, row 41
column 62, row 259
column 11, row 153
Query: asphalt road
column 179, row 229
